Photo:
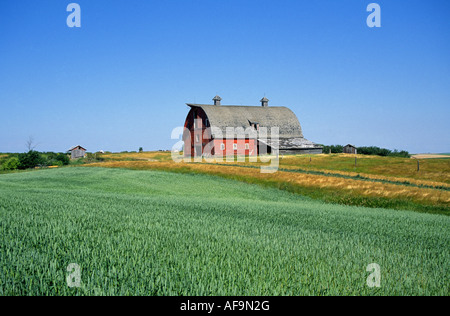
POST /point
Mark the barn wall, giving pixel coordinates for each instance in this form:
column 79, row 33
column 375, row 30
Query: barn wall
column 229, row 148
column 77, row 153
column 349, row 150
column 197, row 123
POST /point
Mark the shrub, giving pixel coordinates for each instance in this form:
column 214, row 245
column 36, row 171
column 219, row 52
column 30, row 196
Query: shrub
column 90, row 158
column 58, row 163
column 30, row 159
column 335, row 149
column 79, row 161
column 373, row 150
column 403, row 154
column 11, row 164
column 63, row 159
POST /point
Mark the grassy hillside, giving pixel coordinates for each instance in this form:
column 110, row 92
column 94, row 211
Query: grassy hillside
column 433, row 170
column 160, row 233
column 386, row 182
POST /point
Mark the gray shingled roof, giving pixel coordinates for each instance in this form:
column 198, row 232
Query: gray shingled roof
column 291, row 143
column 240, row 116
column 73, row 147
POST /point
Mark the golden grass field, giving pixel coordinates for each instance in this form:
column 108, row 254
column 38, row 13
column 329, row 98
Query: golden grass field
column 374, row 181
column 428, row 156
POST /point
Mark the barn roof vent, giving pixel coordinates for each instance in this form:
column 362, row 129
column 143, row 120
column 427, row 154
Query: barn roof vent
column 264, row 102
column 217, row 100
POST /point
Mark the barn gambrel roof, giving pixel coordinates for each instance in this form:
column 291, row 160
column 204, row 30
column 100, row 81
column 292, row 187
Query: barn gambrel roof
column 241, row 116
column 290, row 130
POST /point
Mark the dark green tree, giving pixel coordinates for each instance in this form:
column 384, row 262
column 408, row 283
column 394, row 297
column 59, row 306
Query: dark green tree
column 63, row 158
column 30, row 159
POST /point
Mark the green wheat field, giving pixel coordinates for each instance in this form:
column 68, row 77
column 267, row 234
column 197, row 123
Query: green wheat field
column 161, row 233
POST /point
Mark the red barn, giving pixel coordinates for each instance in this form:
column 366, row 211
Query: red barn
column 224, row 130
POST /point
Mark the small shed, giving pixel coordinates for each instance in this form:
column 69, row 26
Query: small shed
column 77, row 152
column 350, row 149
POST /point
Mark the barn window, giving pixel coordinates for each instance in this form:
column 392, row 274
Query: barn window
column 247, row 146
column 235, row 146
column 255, row 125
column 222, row 146
column 194, row 116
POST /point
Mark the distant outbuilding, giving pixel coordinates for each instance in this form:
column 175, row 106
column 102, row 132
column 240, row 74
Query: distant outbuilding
column 350, row 149
column 77, row 152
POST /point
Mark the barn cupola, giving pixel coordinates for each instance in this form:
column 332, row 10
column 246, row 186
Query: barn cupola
column 217, row 100
column 264, row 102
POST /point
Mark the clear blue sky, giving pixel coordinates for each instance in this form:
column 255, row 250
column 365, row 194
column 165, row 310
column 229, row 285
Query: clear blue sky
column 121, row 81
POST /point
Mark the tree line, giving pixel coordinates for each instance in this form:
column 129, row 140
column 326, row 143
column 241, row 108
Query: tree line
column 367, row 150
column 33, row 159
